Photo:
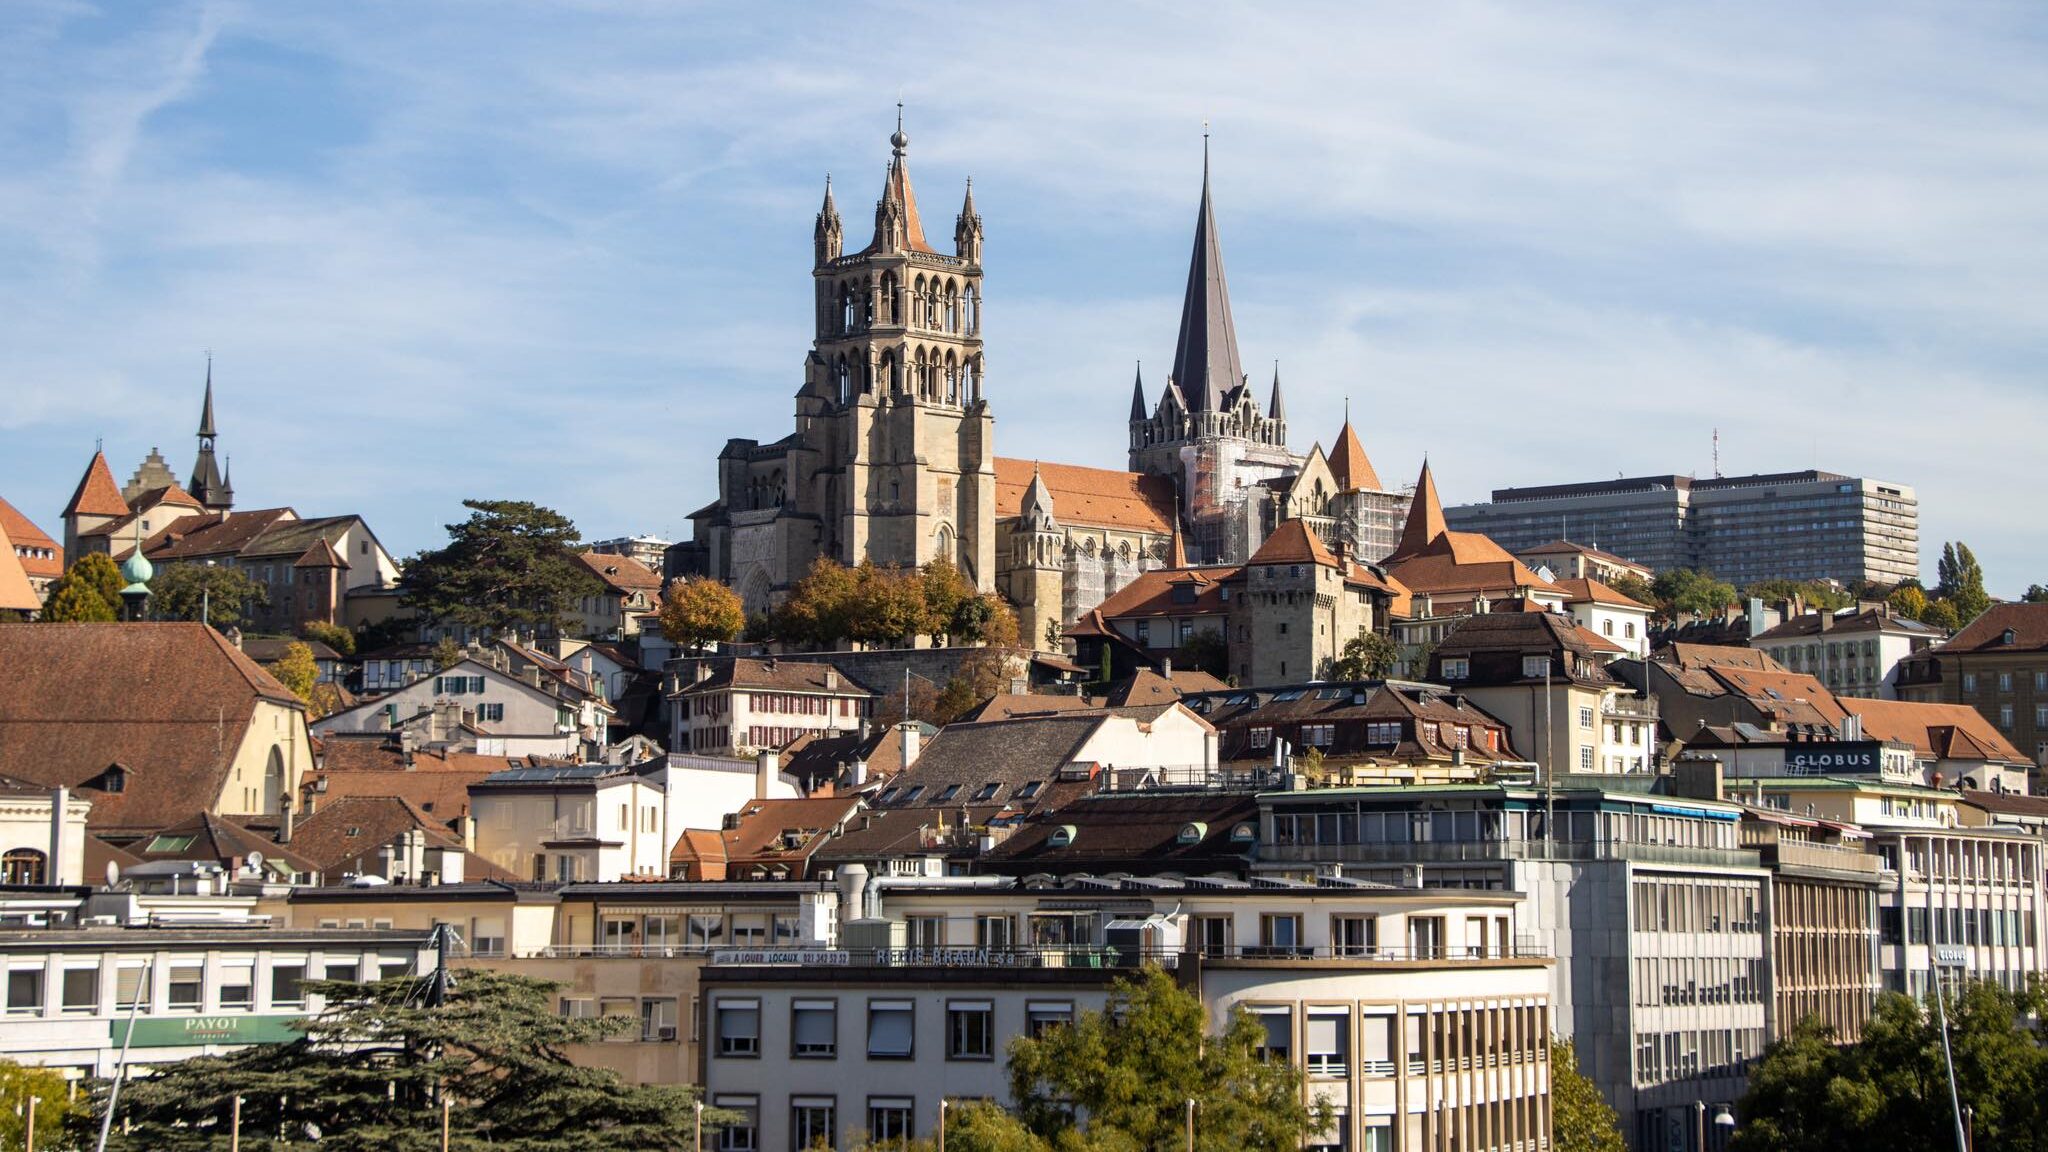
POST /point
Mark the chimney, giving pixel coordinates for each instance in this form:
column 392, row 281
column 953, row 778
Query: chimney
column 469, row 833
column 767, row 767
column 1166, row 667
column 284, row 810
column 857, row 774
column 1827, row 620
column 60, row 799
column 532, row 675
column 234, row 636
column 913, row 739
column 831, row 679
column 701, row 673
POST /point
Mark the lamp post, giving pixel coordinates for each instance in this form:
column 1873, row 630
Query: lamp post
column 1191, row 1125
column 942, row 1100
column 235, row 1126
column 697, row 1125
column 28, row 1140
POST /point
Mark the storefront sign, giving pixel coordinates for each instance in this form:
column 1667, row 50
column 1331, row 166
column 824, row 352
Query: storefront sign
column 183, row 1031
column 810, row 957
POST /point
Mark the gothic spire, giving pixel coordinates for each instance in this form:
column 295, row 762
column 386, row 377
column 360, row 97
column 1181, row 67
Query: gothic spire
column 1037, row 500
column 1205, row 363
column 1276, row 408
column 1138, row 395
column 897, row 224
column 828, row 236
column 967, row 229
column 206, row 485
column 206, row 411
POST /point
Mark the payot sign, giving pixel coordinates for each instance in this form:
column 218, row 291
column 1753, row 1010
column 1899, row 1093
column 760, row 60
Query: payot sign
column 187, row 1031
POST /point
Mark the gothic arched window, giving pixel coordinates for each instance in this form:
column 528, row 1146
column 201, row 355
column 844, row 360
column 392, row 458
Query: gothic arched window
column 24, row 866
column 952, row 307
column 952, row 380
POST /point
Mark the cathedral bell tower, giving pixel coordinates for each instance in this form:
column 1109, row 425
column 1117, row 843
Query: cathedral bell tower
column 892, row 401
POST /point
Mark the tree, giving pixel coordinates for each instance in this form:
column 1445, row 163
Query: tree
column 1909, row 601
column 1367, row 656
column 89, row 592
column 447, row 653
column 54, row 1106
column 2035, row 594
column 1818, row 595
column 296, row 671
column 1130, row 1069
column 947, row 600
column 818, row 607
column 366, row 1074
column 334, row 636
column 698, row 613
column 987, row 619
column 1889, row 1092
column 924, row 703
column 508, row 568
column 979, row 677
column 1635, row 588
column 1684, row 591
column 221, row 595
column 1942, row 614
column 1960, row 580
column 1580, row 1118
column 1205, row 651
column 1054, row 633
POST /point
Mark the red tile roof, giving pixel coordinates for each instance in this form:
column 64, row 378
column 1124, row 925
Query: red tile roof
column 1949, row 731
column 2028, row 623
column 1585, row 589
column 168, row 702
column 621, row 573
column 1293, row 543
column 97, row 494
column 1093, row 497
column 23, row 532
column 1152, row 593
column 16, row 593
column 1348, row 463
column 1425, row 518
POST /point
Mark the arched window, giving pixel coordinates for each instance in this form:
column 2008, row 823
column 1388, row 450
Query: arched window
column 847, row 314
column 274, row 770
column 942, row 545
column 842, row 381
column 922, row 375
column 888, row 298
column 952, row 380
column 973, row 298
column 952, row 307
column 24, row 866
column 917, row 291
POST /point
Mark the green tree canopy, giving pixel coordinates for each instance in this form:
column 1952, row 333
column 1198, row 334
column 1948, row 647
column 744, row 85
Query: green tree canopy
column 1818, row 595
column 1129, row 1071
column 333, row 635
column 1683, row 591
column 508, row 568
column 55, row 1109
column 1960, row 581
column 367, row 1072
column 1908, row 600
column 219, row 594
column 89, row 592
column 1635, row 588
column 2035, row 594
column 1889, row 1091
column 1367, row 656
column 1942, row 614
column 699, row 613
column 1580, row 1118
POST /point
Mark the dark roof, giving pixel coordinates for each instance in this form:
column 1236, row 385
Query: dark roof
column 1205, row 362
column 206, row 837
column 1134, row 832
column 2027, row 622
column 1495, row 644
column 270, row 649
column 1869, row 620
column 554, row 775
column 344, row 831
column 784, row 675
column 1009, row 753
column 169, row 702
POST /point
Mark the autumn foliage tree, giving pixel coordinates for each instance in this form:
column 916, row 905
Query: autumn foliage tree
column 296, row 671
column 89, row 592
column 698, row 613
column 871, row 604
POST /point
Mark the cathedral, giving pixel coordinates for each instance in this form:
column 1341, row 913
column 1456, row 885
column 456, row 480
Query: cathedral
column 893, row 455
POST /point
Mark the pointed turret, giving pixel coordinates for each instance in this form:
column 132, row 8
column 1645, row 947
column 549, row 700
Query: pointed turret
column 1349, row 465
column 206, row 485
column 97, row 494
column 1036, row 509
column 1205, row 363
column 967, row 229
column 1276, row 408
column 1425, row 518
column 1138, row 412
column 828, row 236
column 898, row 228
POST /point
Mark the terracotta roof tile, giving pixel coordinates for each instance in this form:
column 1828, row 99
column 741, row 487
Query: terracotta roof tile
column 1349, row 465
column 621, row 573
column 788, row 675
column 162, row 700
column 1934, row 729
column 23, row 532
column 1293, row 543
column 16, row 593
column 1152, row 593
column 1091, row 497
column 2028, row 623
column 1586, row 590
column 97, row 494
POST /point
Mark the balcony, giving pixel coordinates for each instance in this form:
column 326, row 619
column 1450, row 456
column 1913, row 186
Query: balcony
column 1633, row 707
column 1833, row 857
column 1105, row 957
column 1481, row 851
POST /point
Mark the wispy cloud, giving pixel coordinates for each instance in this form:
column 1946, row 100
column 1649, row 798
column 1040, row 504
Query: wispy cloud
column 563, row 251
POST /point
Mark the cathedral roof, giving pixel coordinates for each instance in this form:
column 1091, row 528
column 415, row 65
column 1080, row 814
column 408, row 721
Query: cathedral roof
column 1425, row 518
column 1153, row 593
column 97, row 494
column 1205, row 362
column 1093, row 497
column 1349, row 465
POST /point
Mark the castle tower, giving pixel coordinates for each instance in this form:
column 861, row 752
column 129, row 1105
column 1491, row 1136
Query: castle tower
column 95, row 503
column 906, row 457
column 207, row 485
column 1208, row 431
column 1037, row 564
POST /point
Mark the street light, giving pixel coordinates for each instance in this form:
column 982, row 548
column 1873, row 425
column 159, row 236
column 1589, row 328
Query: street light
column 697, row 1124
column 942, row 1100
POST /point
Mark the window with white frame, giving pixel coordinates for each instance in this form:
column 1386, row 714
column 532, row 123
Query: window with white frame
column 1535, row 667
column 970, row 1030
column 1457, row 668
column 25, row 991
column 743, row 1132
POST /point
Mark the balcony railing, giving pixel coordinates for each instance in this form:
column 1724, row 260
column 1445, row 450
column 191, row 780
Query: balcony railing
column 1802, row 854
column 1088, row 956
column 1642, row 708
column 1479, row 851
column 1424, row 953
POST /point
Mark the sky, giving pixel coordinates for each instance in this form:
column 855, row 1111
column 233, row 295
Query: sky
column 561, row 252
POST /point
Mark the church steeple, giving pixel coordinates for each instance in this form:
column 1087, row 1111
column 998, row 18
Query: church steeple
column 206, row 485
column 898, row 228
column 1276, row 408
column 828, row 236
column 967, row 229
column 1205, row 363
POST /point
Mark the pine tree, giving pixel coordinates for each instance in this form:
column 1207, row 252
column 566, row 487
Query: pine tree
column 368, row 1074
column 1960, row 581
column 508, row 568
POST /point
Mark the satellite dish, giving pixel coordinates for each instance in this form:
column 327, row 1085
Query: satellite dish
column 113, row 873
column 255, row 860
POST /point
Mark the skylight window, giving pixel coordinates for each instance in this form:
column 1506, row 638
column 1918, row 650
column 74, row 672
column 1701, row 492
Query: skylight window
column 1029, row 790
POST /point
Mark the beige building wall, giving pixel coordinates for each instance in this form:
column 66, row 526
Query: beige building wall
column 274, row 754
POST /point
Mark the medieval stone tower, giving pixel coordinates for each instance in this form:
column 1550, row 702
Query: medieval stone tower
column 893, row 458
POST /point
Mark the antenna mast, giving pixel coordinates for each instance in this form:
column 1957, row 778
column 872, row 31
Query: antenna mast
column 1717, row 453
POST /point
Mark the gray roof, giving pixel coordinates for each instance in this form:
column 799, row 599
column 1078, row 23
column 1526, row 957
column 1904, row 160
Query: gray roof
column 1007, row 752
column 1205, row 363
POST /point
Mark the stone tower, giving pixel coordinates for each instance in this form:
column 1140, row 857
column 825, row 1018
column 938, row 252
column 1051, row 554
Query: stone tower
column 893, row 457
column 1037, row 565
column 1208, row 431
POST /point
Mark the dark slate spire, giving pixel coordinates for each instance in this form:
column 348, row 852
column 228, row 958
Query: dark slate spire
column 1138, row 396
column 206, row 485
column 1205, row 363
column 1276, row 408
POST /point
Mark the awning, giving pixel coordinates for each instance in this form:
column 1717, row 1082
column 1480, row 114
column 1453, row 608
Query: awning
column 1125, row 923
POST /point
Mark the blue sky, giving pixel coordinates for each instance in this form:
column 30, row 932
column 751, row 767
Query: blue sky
column 561, row 252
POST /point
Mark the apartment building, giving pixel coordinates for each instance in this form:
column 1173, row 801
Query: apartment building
column 1823, row 919
column 1418, row 1039
column 1653, row 910
column 1852, row 653
column 1547, row 678
column 1998, row 664
column 572, row 822
column 1809, row 525
column 742, row 706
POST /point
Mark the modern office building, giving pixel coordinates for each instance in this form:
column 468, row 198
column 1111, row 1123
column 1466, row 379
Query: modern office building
column 1808, row 525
